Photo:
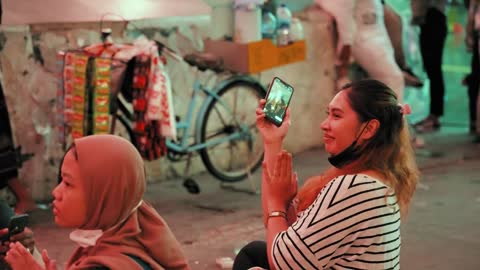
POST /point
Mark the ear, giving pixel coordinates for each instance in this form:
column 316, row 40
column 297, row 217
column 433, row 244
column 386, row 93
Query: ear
column 370, row 130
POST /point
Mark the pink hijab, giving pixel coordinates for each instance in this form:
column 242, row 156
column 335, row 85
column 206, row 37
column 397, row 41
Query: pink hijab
column 114, row 179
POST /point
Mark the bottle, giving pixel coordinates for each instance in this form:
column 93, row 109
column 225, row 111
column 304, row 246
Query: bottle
column 283, row 36
column 284, row 16
column 269, row 25
column 284, row 20
column 248, row 23
column 296, row 30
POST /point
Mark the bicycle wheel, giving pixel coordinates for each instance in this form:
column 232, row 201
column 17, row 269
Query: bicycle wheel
column 233, row 113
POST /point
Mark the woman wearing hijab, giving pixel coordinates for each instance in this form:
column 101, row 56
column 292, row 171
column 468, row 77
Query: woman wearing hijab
column 101, row 196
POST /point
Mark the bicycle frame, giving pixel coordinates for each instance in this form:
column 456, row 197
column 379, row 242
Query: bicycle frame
column 186, row 126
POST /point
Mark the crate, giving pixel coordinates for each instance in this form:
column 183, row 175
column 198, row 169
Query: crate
column 256, row 56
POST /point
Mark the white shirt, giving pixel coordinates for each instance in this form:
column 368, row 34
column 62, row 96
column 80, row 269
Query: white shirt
column 357, row 20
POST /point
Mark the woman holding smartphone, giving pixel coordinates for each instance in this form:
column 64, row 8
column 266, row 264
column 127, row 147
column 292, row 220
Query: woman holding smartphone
column 349, row 216
column 100, row 196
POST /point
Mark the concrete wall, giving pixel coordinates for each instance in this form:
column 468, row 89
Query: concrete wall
column 27, row 62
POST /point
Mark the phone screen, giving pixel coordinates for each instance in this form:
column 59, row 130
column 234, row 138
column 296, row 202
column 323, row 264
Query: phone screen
column 278, row 99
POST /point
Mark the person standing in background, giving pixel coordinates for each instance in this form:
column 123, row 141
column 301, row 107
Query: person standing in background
column 362, row 34
column 9, row 176
column 430, row 16
column 472, row 80
column 472, row 43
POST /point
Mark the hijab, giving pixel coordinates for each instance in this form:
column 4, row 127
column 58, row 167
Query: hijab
column 113, row 176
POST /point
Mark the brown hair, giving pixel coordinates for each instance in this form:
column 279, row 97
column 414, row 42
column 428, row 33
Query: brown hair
column 389, row 151
column 71, row 147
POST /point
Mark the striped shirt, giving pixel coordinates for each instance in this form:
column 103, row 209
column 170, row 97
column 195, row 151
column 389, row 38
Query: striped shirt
column 354, row 223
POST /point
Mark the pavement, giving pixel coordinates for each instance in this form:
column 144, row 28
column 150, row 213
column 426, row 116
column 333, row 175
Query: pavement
column 442, row 230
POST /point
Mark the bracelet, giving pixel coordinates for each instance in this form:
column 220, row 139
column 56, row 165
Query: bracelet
column 277, row 214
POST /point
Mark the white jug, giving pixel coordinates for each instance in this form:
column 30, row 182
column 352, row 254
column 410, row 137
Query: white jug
column 221, row 19
column 248, row 23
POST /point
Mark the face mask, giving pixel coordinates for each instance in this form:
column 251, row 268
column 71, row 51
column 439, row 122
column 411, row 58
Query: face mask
column 88, row 238
column 85, row 238
column 348, row 155
column 345, row 157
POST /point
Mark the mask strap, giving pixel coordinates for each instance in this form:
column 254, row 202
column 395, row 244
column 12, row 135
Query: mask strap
column 361, row 132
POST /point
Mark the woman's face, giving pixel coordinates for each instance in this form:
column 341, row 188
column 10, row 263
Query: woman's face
column 341, row 126
column 69, row 205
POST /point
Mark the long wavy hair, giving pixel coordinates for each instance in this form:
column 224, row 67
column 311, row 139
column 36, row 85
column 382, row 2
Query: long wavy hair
column 388, row 152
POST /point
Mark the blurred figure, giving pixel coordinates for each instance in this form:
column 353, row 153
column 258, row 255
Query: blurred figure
column 473, row 79
column 430, row 16
column 362, row 34
column 9, row 176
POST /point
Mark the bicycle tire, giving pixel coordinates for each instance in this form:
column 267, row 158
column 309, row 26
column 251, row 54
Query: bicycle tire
column 212, row 163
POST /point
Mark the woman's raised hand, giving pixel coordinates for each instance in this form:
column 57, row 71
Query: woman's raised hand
column 270, row 132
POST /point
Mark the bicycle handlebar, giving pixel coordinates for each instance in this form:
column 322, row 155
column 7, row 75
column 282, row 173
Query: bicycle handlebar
column 162, row 48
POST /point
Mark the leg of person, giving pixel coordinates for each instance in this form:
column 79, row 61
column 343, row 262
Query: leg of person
column 394, row 26
column 477, row 133
column 473, row 84
column 433, row 34
column 384, row 68
column 253, row 254
column 477, row 122
column 438, row 27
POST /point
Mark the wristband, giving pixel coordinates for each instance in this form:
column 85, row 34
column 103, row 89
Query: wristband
column 277, row 214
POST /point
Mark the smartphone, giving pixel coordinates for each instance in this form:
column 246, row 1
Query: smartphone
column 278, row 98
column 16, row 225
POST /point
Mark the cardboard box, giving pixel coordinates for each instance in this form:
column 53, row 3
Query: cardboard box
column 257, row 56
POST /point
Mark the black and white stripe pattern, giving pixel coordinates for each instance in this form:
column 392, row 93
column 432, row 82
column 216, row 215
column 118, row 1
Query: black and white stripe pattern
column 353, row 224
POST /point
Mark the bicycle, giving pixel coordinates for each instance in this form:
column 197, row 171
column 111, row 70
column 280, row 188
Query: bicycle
column 224, row 133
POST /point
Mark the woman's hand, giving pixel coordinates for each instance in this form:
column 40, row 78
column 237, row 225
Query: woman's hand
column 19, row 258
column 271, row 133
column 49, row 263
column 25, row 238
column 281, row 184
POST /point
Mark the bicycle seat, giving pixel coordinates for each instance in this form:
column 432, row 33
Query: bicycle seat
column 204, row 61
